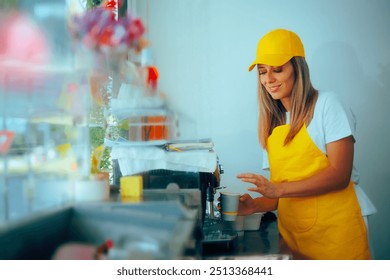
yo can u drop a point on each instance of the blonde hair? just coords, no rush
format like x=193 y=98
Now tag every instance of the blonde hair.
x=303 y=99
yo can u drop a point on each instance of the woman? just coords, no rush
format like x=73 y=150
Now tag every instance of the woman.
x=309 y=145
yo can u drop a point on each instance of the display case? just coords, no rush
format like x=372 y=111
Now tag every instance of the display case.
x=46 y=110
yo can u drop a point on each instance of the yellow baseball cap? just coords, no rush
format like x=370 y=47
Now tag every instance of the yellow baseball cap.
x=277 y=47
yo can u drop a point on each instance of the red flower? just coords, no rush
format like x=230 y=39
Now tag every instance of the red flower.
x=136 y=29
x=104 y=37
x=111 y=4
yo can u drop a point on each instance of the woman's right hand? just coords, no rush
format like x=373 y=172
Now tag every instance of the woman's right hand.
x=247 y=205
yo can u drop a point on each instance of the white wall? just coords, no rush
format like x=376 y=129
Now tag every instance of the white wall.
x=203 y=48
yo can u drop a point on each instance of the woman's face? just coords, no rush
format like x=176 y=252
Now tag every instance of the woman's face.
x=278 y=81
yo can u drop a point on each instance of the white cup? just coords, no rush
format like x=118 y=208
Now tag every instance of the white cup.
x=229 y=205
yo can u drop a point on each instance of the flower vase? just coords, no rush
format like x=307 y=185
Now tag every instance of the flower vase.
x=113 y=62
x=105 y=83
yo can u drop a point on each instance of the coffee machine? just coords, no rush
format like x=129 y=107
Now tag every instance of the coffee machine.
x=170 y=181
x=195 y=190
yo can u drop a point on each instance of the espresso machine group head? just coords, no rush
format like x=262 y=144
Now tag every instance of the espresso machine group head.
x=210 y=182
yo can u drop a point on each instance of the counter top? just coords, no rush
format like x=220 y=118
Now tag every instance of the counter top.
x=258 y=244
x=32 y=238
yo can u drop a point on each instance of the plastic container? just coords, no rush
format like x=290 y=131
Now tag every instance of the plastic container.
x=252 y=222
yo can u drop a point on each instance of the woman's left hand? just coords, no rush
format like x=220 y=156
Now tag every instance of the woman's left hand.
x=263 y=186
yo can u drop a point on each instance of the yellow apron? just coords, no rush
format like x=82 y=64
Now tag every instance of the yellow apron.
x=328 y=226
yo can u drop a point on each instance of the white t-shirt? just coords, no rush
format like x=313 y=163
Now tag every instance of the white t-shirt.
x=331 y=122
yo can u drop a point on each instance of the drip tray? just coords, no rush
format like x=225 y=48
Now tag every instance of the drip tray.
x=218 y=237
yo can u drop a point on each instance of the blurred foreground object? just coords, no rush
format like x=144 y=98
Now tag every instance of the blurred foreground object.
x=103 y=41
x=8 y=4
x=44 y=105
x=22 y=40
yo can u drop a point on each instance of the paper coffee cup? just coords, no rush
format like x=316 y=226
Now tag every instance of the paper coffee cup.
x=229 y=205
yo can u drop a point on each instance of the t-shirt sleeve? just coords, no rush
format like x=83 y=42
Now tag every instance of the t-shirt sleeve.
x=338 y=122
x=265 y=162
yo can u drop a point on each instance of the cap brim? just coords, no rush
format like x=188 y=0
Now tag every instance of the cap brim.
x=250 y=68
x=271 y=60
